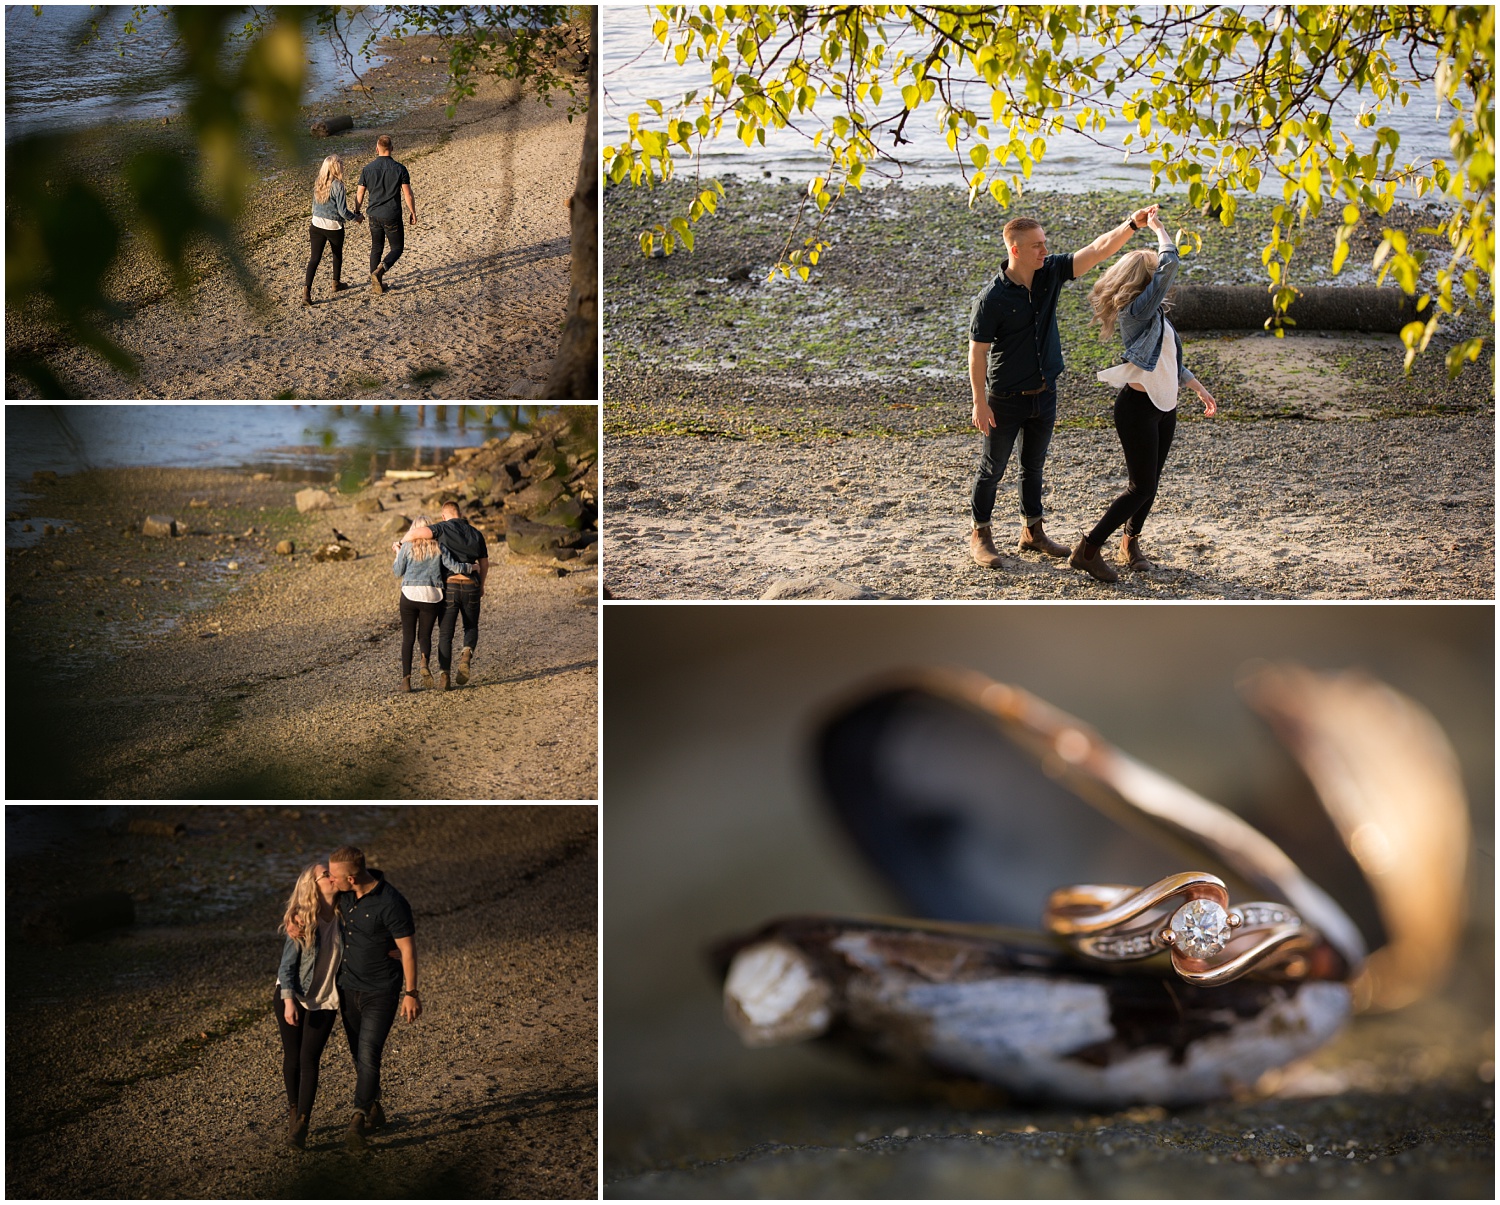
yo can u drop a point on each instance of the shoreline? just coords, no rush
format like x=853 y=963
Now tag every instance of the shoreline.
x=474 y=305
x=209 y=666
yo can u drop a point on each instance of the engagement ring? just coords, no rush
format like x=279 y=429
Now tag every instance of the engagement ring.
x=1211 y=941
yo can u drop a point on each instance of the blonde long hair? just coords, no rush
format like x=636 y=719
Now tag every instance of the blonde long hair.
x=421 y=550
x=332 y=169
x=302 y=907
x=1121 y=285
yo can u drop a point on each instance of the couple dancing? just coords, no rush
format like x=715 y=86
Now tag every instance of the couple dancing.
x=442 y=567
x=350 y=948
x=1015 y=357
x=386 y=183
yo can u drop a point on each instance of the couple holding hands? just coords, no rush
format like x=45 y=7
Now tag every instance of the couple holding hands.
x=1015 y=358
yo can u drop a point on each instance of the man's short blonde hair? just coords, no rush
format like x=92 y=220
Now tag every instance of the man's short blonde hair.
x=347 y=855
x=1016 y=227
x=383 y=143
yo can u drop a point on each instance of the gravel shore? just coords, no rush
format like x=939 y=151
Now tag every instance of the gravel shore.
x=179 y=676
x=147 y=1064
x=474 y=304
x=795 y=433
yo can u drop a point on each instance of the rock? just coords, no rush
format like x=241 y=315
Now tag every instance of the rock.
x=285 y=548
x=310 y=500
x=198 y=503
x=535 y=497
x=162 y=525
x=233 y=565
x=335 y=552
x=396 y=525
x=590 y=555
x=260 y=477
x=157 y=828
x=368 y=506
x=59 y=567
x=817 y=588
x=525 y=538
x=27 y=527
x=43 y=475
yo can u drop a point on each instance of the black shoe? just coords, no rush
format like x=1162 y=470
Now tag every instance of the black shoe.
x=354 y=1136
x=377 y=1117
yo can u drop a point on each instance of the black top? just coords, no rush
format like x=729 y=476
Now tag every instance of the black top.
x=462 y=539
x=1020 y=325
x=382 y=178
x=371 y=923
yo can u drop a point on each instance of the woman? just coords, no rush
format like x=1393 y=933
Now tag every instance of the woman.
x=423 y=566
x=1134 y=294
x=329 y=213
x=307 y=994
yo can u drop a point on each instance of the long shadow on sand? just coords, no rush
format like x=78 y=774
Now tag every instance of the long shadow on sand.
x=481 y=265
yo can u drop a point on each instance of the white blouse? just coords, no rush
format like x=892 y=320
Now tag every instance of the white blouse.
x=1161 y=382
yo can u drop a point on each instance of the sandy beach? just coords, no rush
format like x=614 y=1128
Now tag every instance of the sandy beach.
x=812 y=440
x=474 y=305
x=143 y=1062
x=209 y=666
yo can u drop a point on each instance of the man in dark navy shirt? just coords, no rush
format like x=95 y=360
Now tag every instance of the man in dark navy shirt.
x=375 y=921
x=1015 y=358
x=388 y=184
x=461 y=592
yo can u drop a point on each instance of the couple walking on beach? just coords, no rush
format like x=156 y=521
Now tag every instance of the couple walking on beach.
x=387 y=184
x=1015 y=357
x=442 y=567
x=350 y=948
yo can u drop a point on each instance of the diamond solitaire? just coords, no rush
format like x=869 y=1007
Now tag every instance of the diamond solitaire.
x=1200 y=928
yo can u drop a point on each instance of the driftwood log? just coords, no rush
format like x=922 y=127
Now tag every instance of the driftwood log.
x=325 y=126
x=1246 y=307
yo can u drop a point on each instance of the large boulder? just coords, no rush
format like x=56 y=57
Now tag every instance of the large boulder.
x=396 y=525
x=525 y=538
x=161 y=525
x=285 y=548
x=817 y=588
x=537 y=496
x=310 y=500
x=368 y=506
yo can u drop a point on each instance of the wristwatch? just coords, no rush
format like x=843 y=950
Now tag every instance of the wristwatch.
x=1131 y=221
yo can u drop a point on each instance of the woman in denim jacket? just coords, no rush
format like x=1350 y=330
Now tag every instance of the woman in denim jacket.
x=423 y=566
x=307 y=994
x=330 y=210
x=1134 y=294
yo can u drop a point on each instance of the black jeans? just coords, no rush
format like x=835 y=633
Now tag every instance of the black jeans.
x=382 y=231
x=1032 y=418
x=459 y=598
x=301 y=1051
x=417 y=619
x=335 y=241
x=1146 y=435
x=368 y=1017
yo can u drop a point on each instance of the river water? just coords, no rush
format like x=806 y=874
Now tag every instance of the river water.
x=635 y=69
x=343 y=444
x=48 y=84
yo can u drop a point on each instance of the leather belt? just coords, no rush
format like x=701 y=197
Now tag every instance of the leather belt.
x=1026 y=392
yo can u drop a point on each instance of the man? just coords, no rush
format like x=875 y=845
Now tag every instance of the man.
x=1015 y=358
x=376 y=922
x=462 y=593
x=387 y=184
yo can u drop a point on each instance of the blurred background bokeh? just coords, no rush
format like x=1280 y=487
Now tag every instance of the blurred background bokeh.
x=714 y=821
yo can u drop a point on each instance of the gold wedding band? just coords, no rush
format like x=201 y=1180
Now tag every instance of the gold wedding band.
x=1211 y=942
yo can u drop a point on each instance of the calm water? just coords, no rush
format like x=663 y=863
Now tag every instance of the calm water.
x=49 y=84
x=634 y=69
x=324 y=443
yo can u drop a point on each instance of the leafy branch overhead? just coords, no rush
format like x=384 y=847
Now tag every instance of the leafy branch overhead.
x=1216 y=100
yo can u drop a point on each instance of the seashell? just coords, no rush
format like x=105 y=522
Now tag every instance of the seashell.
x=975 y=799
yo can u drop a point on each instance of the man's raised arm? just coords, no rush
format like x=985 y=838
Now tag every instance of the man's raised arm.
x=1087 y=258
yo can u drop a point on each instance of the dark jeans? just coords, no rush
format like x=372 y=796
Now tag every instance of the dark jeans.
x=1032 y=418
x=1146 y=435
x=335 y=241
x=381 y=231
x=417 y=619
x=368 y=1017
x=301 y=1051
x=459 y=598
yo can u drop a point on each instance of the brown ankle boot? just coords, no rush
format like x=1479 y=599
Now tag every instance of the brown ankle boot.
x=1034 y=539
x=307 y=294
x=296 y=1134
x=377 y=281
x=443 y=680
x=1132 y=555
x=1087 y=558
x=406 y=685
x=426 y=675
x=982 y=548
x=461 y=671
x=339 y=286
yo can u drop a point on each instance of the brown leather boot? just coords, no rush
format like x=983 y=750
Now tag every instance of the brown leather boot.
x=426 y=675
x=406 y=685
x=377 y=281
x=461 y=671
x=442 y=679
x=339 y=286
x=1087 y=558
x=354 y=1136
x=297 y=1133
x=307 y=294
x=982 y=548
x=1131 y=554
x=1034 y=539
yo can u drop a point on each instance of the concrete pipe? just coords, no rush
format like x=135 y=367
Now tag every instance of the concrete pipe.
x=331 y=125
x=1246 y=307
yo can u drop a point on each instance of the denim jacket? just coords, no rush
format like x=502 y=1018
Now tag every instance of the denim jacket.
x=299 y=962
x=335 y=207
x=1141 y=321
x=429 y=572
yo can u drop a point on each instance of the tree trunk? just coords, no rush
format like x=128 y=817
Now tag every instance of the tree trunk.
x=575 y=372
